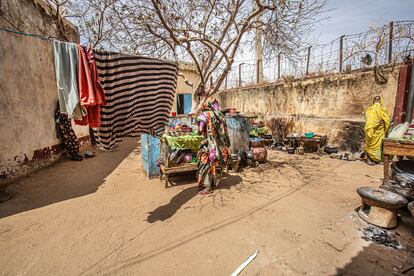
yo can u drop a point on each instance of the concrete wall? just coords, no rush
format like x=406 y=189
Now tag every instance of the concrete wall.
x=27 y=102
x=190 y=73
x=28 y=88
x=35 y=17
x=330 y=104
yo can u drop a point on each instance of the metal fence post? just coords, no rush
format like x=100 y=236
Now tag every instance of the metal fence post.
x=278 y=66
x=258 y=71
x=307 y=61
x=225 y=83
x=390 y=42
x=341 y=47
x=240 y=73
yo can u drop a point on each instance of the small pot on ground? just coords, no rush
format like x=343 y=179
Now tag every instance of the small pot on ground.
x=331 y=149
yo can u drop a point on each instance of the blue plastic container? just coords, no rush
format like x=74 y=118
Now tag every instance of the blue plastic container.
x=238 y=128
x=150 y=151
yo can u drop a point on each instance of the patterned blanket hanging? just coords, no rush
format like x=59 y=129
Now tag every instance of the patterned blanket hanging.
x=139 y=94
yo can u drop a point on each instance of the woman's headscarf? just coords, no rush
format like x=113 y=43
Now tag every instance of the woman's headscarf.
x=377 y=122
x=380 y=101
x=211 y=106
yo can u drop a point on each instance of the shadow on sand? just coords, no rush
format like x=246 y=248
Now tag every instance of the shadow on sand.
x=166 y=211
x=64 y=180
x=377 y=259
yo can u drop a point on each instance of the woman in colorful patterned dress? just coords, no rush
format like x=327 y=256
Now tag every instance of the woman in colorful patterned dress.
x=213 y=154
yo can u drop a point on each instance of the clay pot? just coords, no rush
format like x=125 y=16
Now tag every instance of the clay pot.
x=259 y=154
x=331 y=149
x=257 y=144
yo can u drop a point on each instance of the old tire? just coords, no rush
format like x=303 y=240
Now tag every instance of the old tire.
x=381 y=198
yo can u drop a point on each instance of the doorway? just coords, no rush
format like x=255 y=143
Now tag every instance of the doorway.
x=184 y=102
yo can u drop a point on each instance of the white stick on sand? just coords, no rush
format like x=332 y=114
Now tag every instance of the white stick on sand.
x=244 y=264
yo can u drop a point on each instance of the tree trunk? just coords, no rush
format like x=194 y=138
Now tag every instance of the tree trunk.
x=196 y=97
x=195 y=103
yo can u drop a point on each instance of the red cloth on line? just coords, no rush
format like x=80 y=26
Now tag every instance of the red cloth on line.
x=91 y=93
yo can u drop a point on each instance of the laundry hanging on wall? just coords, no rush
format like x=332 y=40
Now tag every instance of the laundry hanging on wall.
x=66 y=68
x=139 y=95
x=91 y=93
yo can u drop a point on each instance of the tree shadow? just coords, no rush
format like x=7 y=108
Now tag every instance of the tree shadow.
x=64 y=180
x=166 y=211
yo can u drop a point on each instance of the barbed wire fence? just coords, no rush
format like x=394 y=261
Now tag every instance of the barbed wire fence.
x=387 y=44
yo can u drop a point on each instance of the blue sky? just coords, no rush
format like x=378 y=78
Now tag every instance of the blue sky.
x=355 y=16
x=345 y=17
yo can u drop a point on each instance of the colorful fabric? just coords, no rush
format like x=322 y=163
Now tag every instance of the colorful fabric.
x=190 y=142
x=66 y=68
x=377 y=122
x=66 y=133
x=139 y=94
x=213 y=154
x=92 y=96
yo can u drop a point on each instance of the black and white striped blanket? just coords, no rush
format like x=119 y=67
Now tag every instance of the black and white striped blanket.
x=139 y=95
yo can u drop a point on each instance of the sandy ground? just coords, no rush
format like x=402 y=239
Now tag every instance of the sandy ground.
x=103 y=216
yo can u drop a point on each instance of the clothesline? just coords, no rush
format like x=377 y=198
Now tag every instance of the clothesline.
x=31 y=35
x=139 y=91
x=51 y=38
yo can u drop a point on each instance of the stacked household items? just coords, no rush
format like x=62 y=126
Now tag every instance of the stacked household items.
x=400 y=143
x=183 y=140
x=404 y=131
x=259 y=138
x=381 y=205
x=176 y=147
x=402 y=179
x=301 y=143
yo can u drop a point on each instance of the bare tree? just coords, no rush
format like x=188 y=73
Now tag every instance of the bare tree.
x=208 y=33
x=46 y=18
x=97 y=22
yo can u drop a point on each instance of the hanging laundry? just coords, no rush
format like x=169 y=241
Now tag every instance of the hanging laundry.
x=139 y=94
x=66 y=68
x=91 y=93
x=66 y=134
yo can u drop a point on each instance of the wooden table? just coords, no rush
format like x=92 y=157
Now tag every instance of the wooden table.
x=166 y=168
x=319 y=140
x=398 y=148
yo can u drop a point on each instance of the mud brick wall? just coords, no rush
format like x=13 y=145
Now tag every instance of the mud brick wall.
x=28 y=98
x=332 y=104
